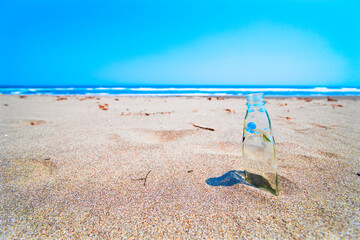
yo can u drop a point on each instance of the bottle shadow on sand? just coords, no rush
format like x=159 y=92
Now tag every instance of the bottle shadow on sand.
x=228 y=179
x=237 y=177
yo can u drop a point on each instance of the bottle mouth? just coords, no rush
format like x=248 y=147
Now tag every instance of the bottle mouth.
x=254 y=97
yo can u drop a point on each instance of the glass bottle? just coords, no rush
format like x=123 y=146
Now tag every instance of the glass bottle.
x=259 y=146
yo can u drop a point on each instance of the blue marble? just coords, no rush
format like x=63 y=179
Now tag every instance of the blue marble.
x=251 y=125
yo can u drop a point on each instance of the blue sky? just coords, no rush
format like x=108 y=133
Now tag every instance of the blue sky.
x=278 y=42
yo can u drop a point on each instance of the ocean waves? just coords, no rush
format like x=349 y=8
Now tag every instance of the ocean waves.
x=183 y=91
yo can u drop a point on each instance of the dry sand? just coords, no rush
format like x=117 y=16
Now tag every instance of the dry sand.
x=70 y=168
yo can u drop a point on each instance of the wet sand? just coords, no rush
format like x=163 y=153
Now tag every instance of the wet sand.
x=137 y=167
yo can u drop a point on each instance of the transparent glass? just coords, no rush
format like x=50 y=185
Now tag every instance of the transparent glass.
x=260 y=167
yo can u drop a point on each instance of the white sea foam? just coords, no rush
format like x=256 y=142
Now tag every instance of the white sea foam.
x=59 y=89
x=151 y=89
x=14 y=89
x=350 y=89
x=186 y=91
x=179 y=89
x=118 y=88
x=316 y=89
x=167 y=94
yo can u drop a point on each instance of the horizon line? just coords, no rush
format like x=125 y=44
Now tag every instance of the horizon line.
x=178 y=86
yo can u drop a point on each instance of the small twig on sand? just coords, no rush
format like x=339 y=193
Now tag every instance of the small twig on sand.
x=143 y=179
x=206 y=128
x=146 y=177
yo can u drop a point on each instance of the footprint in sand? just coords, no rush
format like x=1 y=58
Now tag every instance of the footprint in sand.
x=152 y=137
x=314 y=127
x=171 y=135
x=26 y=172
x=221 y=148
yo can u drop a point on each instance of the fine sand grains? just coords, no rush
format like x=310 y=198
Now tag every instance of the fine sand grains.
x=141 y=167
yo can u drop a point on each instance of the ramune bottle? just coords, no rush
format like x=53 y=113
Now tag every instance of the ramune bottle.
x=259 y=146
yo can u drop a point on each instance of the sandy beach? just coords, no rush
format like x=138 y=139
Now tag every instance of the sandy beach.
x=137 y=167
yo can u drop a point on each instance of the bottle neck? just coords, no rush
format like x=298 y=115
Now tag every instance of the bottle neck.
x=255 y=100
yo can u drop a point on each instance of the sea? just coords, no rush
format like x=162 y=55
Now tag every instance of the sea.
x=159 y=91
